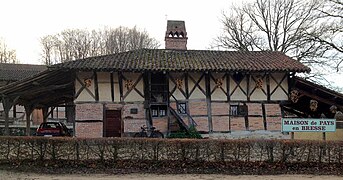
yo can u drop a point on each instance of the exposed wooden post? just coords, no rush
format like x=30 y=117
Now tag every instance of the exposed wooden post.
x=186 y=86
x=96 y=86
x=168 y=104
x=45 y=113
x=227 y=87
x=208 y=101
x=28 y=111
x=264 y=114
x=187 y=98
x=7 y=130
x=268 y=86
x=14 y=111
x=248 y=86
x=120 y=81
x=149 y=101
x=112 y=86
x=7 y=105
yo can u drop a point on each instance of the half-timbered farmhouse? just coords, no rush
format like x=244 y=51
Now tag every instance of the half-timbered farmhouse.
x=225 y=92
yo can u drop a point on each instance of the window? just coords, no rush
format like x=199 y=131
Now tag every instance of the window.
x=181 y=108
x=133 y=111
x=234 y=110
x=154 y=112
x=238 y=110
x=158 y=110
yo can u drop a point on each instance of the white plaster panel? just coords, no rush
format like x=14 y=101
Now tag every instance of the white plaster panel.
x=133 y=95
x=218 y=94
x=197 y=93
x=279 y=94
x=238 y=94
x=177 y=93
x=104 y=91
x=84 y=95
x=258 y=94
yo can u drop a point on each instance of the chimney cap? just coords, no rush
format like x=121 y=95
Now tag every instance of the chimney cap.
x=173 y=25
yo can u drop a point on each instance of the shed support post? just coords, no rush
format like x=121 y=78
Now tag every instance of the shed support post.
x=7 y=105
x=45 y=113
x=28 y=111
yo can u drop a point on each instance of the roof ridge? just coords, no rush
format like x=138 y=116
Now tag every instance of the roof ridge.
x=188 y=60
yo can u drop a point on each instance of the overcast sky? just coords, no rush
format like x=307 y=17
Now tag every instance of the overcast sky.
x=24 y=22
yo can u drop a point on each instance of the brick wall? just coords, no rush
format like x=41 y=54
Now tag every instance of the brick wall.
x=273 y=117
x=237 y=123
x=174 y=126
x=89 y=111
x=254 y=109
x=273 y=123
x=220 y=123
x=89 y=129
x=89 y=117
x=198 y=108
x=133 y=125
x=178 y=43
x=173 y=105
x=140 y=111
x=272 y=109
x=220 y=108
x=256 y=123
x=161 y=124
x=202 y=123
x=133 y=122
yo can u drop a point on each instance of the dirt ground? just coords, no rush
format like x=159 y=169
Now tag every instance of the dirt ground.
x=11 y=175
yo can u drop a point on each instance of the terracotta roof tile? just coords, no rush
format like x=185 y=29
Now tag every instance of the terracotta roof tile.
x=187 y=60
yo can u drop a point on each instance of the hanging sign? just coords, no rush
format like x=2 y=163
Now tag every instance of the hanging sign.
x=308 y=125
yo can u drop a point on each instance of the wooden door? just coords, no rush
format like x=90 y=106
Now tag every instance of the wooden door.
x=112 y=124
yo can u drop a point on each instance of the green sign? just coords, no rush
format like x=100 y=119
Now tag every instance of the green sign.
x=308 y=125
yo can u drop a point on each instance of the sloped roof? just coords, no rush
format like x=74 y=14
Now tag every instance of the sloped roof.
x=15 y=72
x=311 y=91
x=301 y=82
x=187 y=60
x=47 y=88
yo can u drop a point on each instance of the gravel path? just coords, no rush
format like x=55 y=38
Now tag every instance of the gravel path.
x=10 y=175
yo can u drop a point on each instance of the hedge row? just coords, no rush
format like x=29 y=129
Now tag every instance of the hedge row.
x=210 y=150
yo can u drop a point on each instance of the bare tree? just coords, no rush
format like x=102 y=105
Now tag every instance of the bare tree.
x=275 y=25
x=48 y=45
x=309 y=31
x=78 y=44
x=329 y=32
x=7 y=55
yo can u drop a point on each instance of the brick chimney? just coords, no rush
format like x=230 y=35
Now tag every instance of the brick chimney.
x=176 y=35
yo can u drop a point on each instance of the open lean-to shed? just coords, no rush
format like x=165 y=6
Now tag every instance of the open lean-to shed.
x=173 y=88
